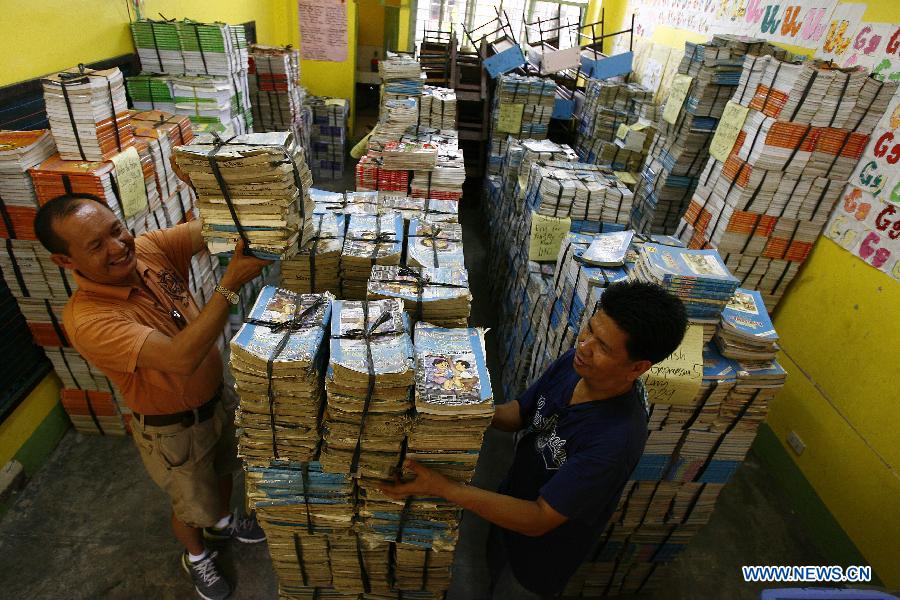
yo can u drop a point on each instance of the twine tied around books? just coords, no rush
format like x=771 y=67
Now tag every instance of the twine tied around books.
x=420 y=281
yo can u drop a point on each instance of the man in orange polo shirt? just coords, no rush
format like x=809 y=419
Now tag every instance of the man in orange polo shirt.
x=133 y=317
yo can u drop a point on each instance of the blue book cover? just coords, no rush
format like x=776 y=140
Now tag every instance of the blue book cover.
x=746 y=314
x=451 y=371
x=679 y=264
x=716 y=366
x=374 y=236
x=391 y=347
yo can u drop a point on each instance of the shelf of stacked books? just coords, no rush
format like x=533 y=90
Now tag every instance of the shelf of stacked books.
x=707 y=76
x=795 y=133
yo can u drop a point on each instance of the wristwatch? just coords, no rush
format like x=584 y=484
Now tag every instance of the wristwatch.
x=232 y=297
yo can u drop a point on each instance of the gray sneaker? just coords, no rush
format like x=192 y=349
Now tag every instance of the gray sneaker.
x=243 y=529
x=208 y=582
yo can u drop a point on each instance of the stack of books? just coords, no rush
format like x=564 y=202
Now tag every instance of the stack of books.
x=578 y=193
x=680 y=149
x=444 y=182
x=24 y=362
x=454 y=400
x=94 y=412
x=158 y=46
x=765 y=204
x=438 y=295
x=395 y=118
x=316 y=267
x=151 y=92
x=77 y=373
x=409 y=156
x=401 y=77
x=213 y=48
x=370 y=240
x=213 y=103
x=434 y=244
x=274 y=85
x=369 y=386
x=255 y=187
x=698 y=277
x=437 y=108
x=522 y=108
x=19 y=152
x=88 y=113
x=372 y=176
x=746 y=333
x=328 y=136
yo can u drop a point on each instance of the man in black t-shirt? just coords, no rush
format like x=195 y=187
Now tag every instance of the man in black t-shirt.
x=584 y=425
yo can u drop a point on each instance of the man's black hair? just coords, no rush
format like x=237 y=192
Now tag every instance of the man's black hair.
x=653 y=319
x=54 y=210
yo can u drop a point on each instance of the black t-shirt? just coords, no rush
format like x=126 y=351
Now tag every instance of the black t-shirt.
x=578 y=459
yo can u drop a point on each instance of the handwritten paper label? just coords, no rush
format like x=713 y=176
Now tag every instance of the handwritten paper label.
x=681 y=84
x=677 y=379
x=323 y=30
x=622 y=131
x=625 y=177
x=729 y=127
x=130 y=180
x=547 y=235
x=510 y=120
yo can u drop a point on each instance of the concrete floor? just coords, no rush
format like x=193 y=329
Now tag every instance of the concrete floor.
x=91 y=524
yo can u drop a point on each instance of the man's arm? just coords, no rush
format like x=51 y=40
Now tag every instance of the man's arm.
x=532 y=518
x=507 y=417
x=183 y=353
x=197 y=241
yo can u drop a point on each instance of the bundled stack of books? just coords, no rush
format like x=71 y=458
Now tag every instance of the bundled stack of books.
x=151 y=92
x=254 y=188
x=372 y=176
x=369 y=387
x=369 y=240
x=19 y=152
x=401 y=77
x=765 y=197
x=94 y=412
x=522 y=108
x=409 y=156
x=274 y=86
x=316 y=267
x=88 y=113
x=277 y=360
x=437 y=108
x=328 y=136
x=25 y=363
x=158 y=46
x=577 y=193
x=434 y=244
x=708 y=74
x=438 y=295
x=395 y=118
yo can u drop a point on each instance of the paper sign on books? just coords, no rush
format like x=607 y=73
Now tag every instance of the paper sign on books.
x=510 y=120
x=625 y=177
x=622 y=131
x=727 y=132
x=681 y=85
x=677 y=379
x=547 y=235
x=130 y=180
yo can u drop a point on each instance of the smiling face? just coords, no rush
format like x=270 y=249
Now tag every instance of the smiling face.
x=601 y=357
x=99 y=246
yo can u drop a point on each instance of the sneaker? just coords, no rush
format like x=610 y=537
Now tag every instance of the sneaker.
x=208 y=582
x=243 y=529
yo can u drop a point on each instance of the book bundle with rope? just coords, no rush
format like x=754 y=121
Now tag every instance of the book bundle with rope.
x=275 y=91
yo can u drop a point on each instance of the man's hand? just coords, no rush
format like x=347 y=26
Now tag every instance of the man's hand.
x=426 y=483
x=242 y=268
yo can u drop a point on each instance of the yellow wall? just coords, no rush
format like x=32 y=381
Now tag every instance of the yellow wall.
x=371 y=23
x=839 y=330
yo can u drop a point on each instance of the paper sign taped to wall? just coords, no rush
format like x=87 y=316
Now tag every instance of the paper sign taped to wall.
x=681 y=85
x=323 y=30
x=130 y=181
x=510 y=120
x=677 y=379
x=729 y=127
x=547 y=235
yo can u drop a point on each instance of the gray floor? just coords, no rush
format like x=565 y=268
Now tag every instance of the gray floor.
x=91 y=524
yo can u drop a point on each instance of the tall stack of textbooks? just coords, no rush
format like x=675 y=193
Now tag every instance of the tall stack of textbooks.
x=328 y=136
x=369 y=240
x=677 y=155
x=158 y=46
x=608 y=108
x=401 y=77
x=693 y=449
x=316 y=267
x=253 y=188
x=437 y=108
x=438 y=295
x=522 y=108
x=151 y=92
x=274 y=85
x=395 y=118
x=23 y=360
x=763 y=206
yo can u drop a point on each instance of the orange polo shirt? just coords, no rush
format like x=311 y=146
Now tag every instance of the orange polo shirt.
x=108 y=325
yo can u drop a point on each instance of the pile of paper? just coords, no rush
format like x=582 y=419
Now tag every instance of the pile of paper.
x=274 y=80
x=437 y=108
x=254 y=187
x=698 y=277
x=329 y=136
x=158 y=46
x=277 y=358
x=20 y=151
x=437 y=295
x=433 y=244
x=454 y=399
x=409 y=156
x=371 y=175
x=88 y=113
x=370 y=240
x=369 y=386
x=316 y=267
x=766 y=195
x=707 y=76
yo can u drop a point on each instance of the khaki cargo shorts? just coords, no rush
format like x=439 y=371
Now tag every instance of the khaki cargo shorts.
x=187 y=462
